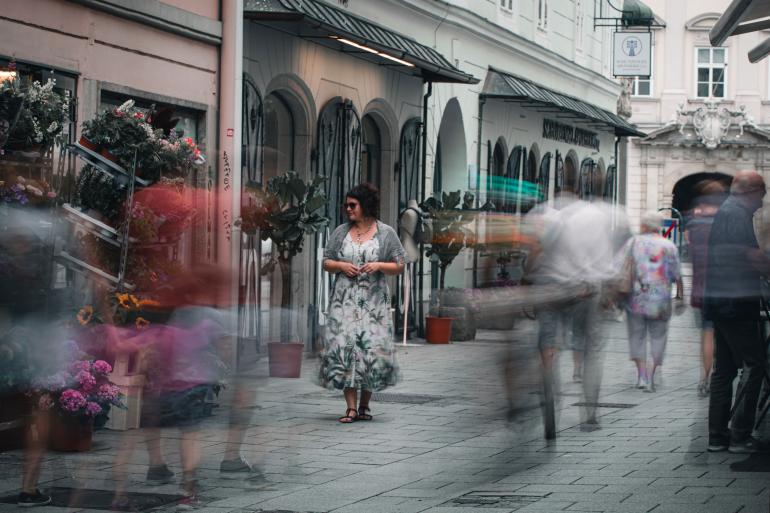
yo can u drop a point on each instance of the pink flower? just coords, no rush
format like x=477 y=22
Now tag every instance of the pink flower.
x=80 y=365
x=72 y=400
x=93 y=409
x=51 y=194
x=86 y=380
x=108 y=392
x=45 y=402
x=102 y=367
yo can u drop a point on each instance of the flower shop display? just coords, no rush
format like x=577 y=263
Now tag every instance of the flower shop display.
x=17 y=190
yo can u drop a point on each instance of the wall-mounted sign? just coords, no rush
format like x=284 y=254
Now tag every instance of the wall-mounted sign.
x=556 y=131
x=632 y=54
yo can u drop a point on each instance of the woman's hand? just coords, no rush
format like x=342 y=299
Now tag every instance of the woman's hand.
x=351 y=270
x=371 y=267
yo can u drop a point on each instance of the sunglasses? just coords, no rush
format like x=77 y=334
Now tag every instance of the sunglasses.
x=351 y=206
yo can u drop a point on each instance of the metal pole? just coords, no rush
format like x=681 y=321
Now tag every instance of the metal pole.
x=421 y=271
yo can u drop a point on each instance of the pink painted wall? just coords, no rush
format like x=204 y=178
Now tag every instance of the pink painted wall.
x=103 y=47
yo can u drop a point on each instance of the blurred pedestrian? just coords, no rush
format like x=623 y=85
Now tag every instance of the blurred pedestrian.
x=358 y=352
x=701 y=217
x=654 y=266
x=734 y=269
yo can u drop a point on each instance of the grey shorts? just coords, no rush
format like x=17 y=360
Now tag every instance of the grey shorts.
x=569 y=327
x=638 y=329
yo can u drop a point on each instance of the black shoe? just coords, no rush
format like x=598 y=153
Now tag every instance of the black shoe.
x=717 y=445
x=235 y=466
x=749 y=445
x=159 y=475
x=27 y=500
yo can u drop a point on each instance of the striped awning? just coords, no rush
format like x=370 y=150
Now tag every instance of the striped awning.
x=507 y=86
x=336 y=28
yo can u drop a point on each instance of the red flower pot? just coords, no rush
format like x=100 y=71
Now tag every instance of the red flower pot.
x=285 y=360
x=109 y=156
x=438 y=329
x=86 y=143
x=70 y=434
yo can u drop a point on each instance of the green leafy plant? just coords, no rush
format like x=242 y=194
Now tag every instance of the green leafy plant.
x=451 y=217
x=43 y=114
x=291 y=209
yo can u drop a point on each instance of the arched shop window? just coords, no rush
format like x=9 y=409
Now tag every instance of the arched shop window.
x=409 y=179
x=544 y=176
x=371 y=151
x=558 y=185
x=253 y=132
x=496 y=174
x=609 y=184
x=338 y=153
x=570 y=173
x=586 y=178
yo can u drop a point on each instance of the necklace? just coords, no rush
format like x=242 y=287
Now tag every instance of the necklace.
x=360 y=235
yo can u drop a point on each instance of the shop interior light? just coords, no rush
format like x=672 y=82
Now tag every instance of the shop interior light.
x=7 y=76
x=372 y=51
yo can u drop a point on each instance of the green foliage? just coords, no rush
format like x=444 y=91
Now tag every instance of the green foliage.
x=43 y=114
x=294 y=212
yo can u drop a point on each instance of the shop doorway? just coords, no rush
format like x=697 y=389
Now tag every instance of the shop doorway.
x=371 y=152
x=570 y=173
x=700 y=187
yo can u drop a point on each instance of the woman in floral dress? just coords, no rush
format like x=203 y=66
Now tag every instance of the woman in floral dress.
x=358 y=351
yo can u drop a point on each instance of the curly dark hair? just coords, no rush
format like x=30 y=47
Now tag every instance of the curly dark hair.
x=368 y=196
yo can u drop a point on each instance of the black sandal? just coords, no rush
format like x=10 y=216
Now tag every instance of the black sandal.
x=362 y=415
x=349 y=419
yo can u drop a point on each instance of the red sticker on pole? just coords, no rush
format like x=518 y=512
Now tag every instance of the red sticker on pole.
x=230 y=132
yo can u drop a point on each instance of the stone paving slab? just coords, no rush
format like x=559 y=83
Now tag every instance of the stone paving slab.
x=421 y=457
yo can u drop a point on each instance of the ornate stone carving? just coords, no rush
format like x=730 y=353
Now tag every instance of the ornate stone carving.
x=711 y=123
x=624 y=100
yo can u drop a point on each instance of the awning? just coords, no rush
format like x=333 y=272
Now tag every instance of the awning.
x=636 y=14
x=337 y=28
x=506 y=86
x=760 y=51
x=741 y=16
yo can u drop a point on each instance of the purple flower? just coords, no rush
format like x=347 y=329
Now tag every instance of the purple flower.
x=93 y=409
x=102 y=367
x=86 y=380
x=72 y=400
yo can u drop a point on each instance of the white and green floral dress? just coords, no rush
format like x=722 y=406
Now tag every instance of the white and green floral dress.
x=358 y=344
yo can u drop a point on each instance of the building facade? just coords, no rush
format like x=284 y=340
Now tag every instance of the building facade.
x=706 y=110
x=421 y=97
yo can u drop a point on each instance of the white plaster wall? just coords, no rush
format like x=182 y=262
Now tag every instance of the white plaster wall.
x=652 y=174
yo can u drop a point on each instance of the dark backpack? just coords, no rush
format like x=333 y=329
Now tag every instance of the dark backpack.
x=422 y=232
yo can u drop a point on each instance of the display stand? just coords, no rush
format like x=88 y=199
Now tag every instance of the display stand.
x=130 y=383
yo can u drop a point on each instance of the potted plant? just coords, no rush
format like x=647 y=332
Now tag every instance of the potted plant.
x=450 y=219
x=40 y=120
x=78 y=394
x=287 y=212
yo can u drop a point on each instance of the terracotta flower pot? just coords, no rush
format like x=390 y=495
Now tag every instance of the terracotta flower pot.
x=285 y=360
x=70 y=434
x=109 y=156
x=438 y=329
x=86 y=143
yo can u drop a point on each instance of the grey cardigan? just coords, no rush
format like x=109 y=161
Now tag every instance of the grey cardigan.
x=391 y=249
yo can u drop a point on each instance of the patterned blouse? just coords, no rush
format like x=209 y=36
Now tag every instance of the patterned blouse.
x=656 y=267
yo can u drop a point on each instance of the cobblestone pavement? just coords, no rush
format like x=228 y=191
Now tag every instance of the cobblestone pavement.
x=441 y=443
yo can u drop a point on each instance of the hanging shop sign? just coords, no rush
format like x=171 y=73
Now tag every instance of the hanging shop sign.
x=556 y=131
x=632 y=54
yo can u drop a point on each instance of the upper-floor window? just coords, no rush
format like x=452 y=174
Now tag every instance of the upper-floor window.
x=643 y=85
x=506 y=4
x=711 y=72
x=542 y=14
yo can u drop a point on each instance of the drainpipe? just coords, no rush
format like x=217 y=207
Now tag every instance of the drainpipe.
x=421 y=267
x=616 y=185
x=228 y=184
x=482 y=101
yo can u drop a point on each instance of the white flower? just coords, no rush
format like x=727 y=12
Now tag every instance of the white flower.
x=127 y=105
x=53 y=127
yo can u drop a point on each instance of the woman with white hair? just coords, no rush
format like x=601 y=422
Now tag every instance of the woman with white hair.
x=654 y=267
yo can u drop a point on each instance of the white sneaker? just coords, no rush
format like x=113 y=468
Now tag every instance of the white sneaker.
x=641 y=382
